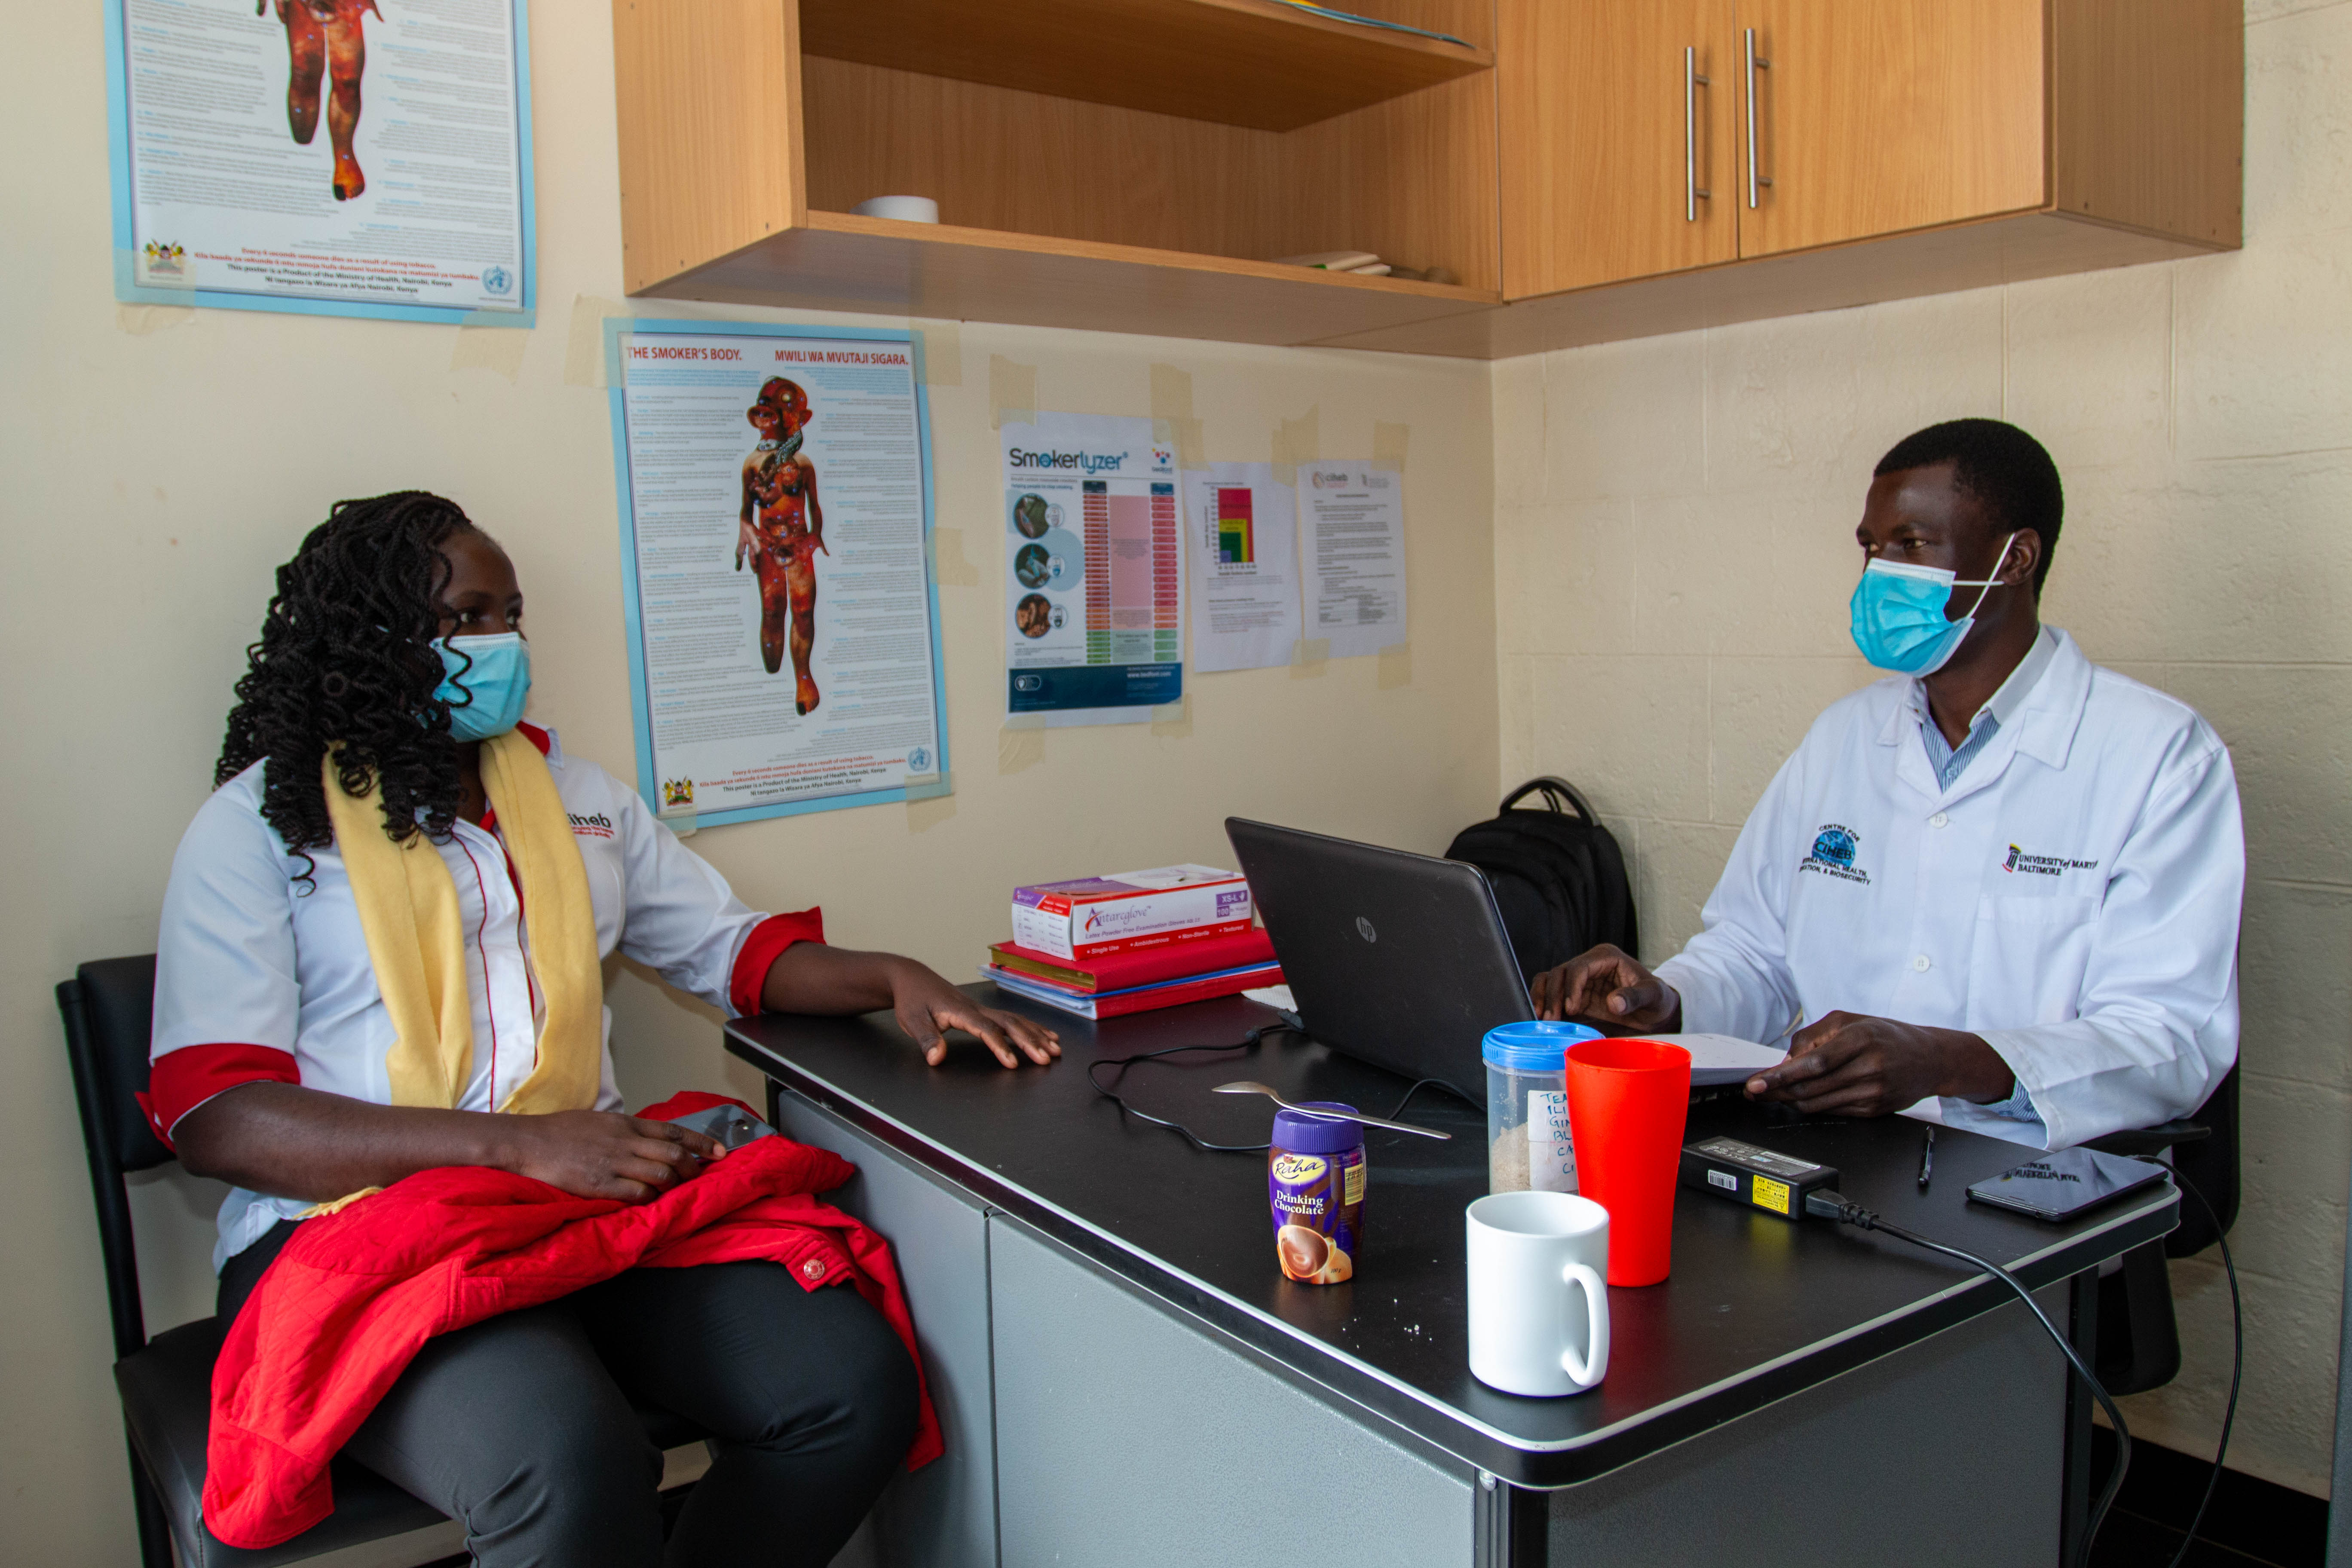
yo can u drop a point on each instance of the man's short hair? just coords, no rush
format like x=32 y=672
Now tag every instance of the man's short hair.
x=2005 y=469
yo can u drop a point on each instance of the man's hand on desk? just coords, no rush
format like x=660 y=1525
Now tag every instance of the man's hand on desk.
x=1606 y=985
x=1849 y=1065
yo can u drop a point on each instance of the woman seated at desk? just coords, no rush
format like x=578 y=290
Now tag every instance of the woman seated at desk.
x=378 y=718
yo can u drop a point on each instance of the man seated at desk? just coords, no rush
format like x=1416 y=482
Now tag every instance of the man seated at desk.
x=1999 y=889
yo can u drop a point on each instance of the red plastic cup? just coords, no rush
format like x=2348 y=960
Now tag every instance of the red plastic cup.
x=1626 y=1104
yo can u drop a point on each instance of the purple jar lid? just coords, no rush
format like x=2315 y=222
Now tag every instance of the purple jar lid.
x=1314 y=1134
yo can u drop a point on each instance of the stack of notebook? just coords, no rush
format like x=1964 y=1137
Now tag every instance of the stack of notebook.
x=1136 y=981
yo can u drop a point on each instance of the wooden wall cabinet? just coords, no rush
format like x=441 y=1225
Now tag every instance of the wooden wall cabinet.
x=1586 y=169
x=1873 y=150
x=1125 y=166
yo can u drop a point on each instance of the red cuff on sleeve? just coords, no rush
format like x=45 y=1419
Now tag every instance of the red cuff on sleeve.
x=182 y=1079
x=766 y=944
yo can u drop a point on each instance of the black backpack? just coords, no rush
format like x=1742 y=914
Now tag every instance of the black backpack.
x=1558 y=878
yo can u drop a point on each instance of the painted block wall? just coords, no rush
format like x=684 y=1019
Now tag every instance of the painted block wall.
x=1673 y=553
x=159 y=464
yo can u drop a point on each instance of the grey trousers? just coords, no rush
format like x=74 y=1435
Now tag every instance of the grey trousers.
x=521 y=1426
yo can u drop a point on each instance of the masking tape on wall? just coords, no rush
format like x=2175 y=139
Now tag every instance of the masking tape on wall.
x=142 y=320
x=1309 y=656
x=1296 y=441
x=489 y=348
x=930 y=800
x=1174 y=720
x=1396 y=666
x=938 y=353
x=1389 y=442
x=1012 y=392
x=680 y=821
x=1172 y=393
x=1020 y=744
x=583 y=345
x=950 y=568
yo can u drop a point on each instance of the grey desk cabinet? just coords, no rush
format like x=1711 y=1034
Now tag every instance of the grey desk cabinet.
x=1129 y=1439
x=943 y=1515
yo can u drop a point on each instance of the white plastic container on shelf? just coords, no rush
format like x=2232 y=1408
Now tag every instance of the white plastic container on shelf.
x=1529 y=1146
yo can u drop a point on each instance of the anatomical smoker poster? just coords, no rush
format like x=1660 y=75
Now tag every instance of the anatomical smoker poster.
x=1093 y=570
x=342 y=157
x=775 y=506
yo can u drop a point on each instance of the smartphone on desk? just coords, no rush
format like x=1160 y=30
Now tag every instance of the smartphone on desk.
x=2057 y=1187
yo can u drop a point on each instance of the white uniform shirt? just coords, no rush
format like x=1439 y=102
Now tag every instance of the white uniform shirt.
x=260 y=976
x=2073 y=898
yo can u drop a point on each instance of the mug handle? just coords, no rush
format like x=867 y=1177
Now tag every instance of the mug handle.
x=1587 y=1369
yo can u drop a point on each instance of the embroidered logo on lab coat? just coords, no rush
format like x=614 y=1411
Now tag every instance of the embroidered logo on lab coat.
x=1834 y=848
x=2044 y=865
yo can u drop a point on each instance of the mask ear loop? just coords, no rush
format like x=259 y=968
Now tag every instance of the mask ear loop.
x=1989 y=584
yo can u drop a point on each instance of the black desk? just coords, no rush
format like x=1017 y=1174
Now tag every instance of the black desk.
x=1757 y=1310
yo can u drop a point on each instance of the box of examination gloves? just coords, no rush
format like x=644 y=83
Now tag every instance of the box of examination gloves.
x=1130 y=910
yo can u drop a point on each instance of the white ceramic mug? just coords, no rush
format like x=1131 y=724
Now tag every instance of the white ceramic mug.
x=1538 y=1301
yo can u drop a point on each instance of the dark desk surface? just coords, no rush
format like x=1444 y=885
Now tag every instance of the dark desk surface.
x=1756 y=1307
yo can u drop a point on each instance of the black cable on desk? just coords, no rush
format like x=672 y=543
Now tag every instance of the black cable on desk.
x=1833 y=1205
x=1247 y=1042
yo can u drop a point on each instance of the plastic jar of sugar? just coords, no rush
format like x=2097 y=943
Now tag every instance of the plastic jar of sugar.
x=1527 y=1140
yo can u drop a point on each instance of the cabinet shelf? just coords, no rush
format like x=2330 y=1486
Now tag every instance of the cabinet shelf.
x=839 y=261
x=1236 y=62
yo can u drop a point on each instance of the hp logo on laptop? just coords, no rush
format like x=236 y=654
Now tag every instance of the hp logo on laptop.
x=1364 y=928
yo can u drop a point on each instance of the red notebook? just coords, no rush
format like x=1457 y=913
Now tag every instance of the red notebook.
x=1121 y=971
x=1117 y=1004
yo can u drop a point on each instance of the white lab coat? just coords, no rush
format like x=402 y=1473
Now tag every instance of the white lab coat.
x=2073 y=898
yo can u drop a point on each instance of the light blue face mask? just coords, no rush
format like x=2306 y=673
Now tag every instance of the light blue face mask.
x=1898 y=614
x=499 y=680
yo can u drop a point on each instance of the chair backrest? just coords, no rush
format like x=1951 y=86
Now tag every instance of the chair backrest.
x=2210 y=1164
x=110 y=1013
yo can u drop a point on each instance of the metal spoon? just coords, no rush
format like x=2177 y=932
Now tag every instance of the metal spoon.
x=1246 y=1086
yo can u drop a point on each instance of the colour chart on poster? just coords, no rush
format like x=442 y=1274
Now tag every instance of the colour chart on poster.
x=337 y=157
x=1094 y=571
x=775 y=508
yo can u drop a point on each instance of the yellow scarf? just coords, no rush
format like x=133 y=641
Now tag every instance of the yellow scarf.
x=408 y=909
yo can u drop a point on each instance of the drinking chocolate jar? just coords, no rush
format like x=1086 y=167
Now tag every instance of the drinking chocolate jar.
x=1315 y=1180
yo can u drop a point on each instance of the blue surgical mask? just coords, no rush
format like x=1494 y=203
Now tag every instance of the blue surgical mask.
x=1898 y=614
x=499 y=680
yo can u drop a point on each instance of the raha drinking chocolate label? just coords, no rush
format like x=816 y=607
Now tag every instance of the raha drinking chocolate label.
x=1318 y=1212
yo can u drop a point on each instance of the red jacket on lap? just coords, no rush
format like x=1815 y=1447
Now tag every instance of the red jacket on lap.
x=346 y=1305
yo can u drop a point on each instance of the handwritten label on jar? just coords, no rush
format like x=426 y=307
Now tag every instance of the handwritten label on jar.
x=1551 y=1155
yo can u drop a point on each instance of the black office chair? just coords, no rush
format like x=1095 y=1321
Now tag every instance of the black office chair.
x=2139 y=1336
x=166 y=1382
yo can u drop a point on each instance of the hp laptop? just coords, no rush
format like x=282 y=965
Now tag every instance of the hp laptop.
x=1398 y=960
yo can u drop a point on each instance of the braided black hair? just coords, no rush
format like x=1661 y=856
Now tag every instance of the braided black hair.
x=346 y=656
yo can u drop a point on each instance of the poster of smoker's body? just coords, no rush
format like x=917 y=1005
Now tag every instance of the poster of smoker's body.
x=337 y=157
x=783 y=629
x=1093 y=570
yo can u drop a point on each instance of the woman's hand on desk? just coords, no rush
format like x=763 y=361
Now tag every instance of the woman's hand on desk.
x=1608 y=986
x=927 y=1006
x=812 y=977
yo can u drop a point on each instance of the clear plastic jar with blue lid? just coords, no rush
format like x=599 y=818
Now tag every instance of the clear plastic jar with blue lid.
x=1528 y=1143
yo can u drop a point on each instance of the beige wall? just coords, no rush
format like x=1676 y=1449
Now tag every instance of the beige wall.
x=1674 y=552
x=159 y=468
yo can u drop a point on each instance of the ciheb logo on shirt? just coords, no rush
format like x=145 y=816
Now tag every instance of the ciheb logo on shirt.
x=1835 y=849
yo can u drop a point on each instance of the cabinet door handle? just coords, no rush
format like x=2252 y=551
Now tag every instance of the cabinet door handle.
x=1755 y=64
x=1692 y=82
